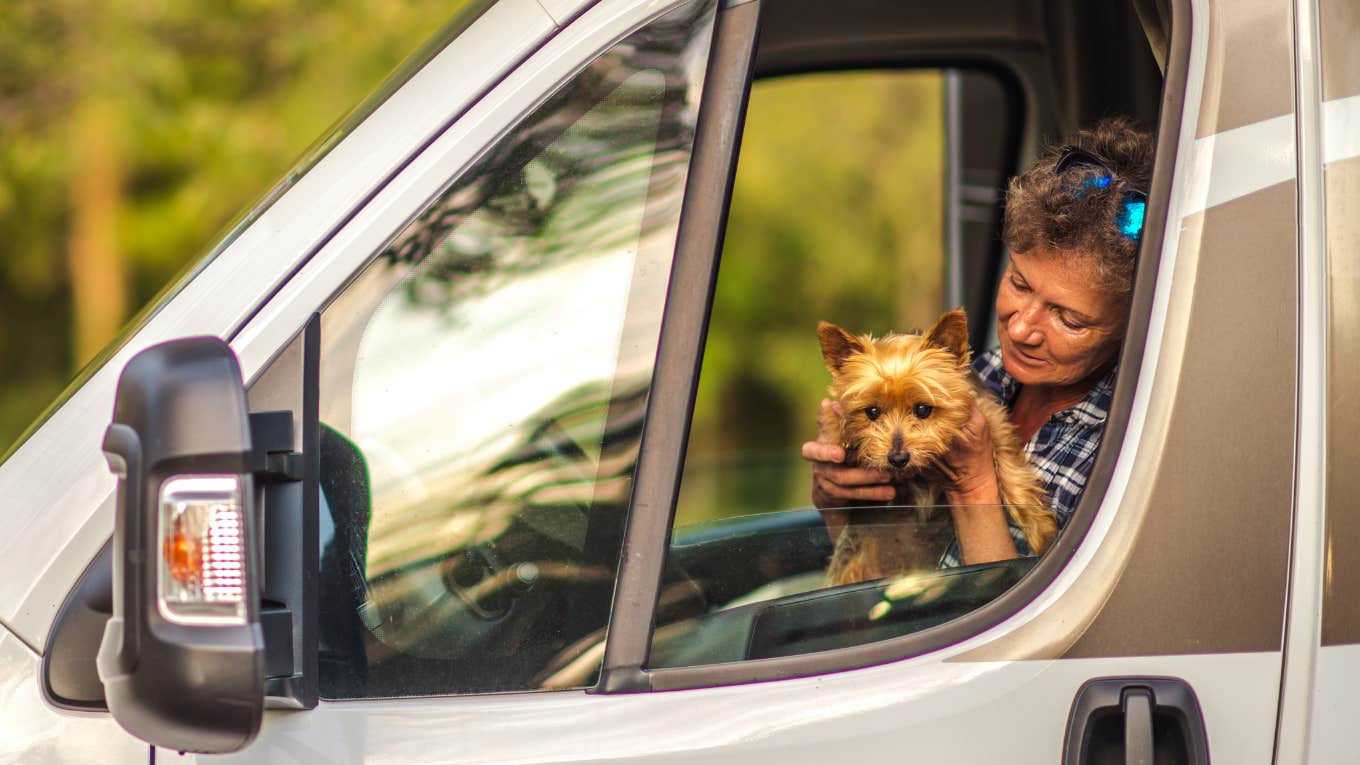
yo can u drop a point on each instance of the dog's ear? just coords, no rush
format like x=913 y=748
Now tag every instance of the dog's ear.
x=951 y=334
x=837 y=345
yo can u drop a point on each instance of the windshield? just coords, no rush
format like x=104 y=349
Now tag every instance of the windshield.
x=465 y=15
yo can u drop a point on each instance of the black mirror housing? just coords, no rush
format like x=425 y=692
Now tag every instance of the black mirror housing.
x=174 y=678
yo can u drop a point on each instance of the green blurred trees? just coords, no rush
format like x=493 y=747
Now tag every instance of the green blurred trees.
x=132 y=131
x=837 y=215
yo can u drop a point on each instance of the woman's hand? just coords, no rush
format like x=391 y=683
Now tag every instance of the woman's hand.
x=969 y=466
x=835 y=484
x=979 y=522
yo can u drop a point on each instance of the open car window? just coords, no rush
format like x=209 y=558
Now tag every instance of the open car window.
x=753 y=571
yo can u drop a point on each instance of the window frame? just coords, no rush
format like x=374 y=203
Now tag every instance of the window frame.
x=684 y=326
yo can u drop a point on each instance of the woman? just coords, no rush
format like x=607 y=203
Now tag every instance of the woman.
x=1072 y=225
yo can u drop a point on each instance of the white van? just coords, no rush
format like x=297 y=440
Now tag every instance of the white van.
x=421 y=424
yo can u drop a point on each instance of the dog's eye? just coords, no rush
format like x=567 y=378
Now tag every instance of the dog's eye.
x=923 y=410
x=873 y=412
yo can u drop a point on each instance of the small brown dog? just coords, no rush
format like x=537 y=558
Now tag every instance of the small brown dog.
x=904 y=399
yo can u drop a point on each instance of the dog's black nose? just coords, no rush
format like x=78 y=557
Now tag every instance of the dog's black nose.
x=899 y=459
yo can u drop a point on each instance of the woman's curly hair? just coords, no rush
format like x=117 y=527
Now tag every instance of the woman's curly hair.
x=1073 y=215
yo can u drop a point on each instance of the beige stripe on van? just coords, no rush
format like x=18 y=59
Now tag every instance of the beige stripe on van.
x=1247 y=77
x=1339 y=27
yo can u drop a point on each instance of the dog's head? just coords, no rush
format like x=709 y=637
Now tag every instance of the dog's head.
x=905 y=398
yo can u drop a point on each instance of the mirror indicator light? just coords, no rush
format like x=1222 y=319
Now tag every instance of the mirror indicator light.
x=202 y=550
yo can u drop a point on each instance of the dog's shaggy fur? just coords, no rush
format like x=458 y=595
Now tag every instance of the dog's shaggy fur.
x=904 y=400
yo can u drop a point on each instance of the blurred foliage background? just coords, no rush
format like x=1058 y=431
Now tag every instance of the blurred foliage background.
x=132 y=132
x=837 y=215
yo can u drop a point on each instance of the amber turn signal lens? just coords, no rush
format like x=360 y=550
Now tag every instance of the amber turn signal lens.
x=183 y=555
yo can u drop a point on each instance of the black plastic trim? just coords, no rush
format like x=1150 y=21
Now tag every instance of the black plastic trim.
x=680 y=349
x=1173 y=704
x=1004 y=606
x=180 y=409
x=311 y=508
x=68 y=657
x=291 y=525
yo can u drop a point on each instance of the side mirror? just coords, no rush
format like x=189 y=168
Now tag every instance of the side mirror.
x=183 y=657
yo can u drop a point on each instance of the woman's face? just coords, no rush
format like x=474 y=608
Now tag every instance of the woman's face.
x=1056 y=325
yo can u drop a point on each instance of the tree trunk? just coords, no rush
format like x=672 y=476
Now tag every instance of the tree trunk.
x=98 y=273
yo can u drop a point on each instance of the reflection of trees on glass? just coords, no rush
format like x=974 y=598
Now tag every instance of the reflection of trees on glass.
x=570 y=182
x=576 y=454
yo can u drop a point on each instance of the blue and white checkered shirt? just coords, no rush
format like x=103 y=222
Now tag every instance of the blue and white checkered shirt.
x=1062 y=452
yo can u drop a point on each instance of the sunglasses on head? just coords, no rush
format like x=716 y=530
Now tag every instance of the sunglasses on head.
x=1130 y=220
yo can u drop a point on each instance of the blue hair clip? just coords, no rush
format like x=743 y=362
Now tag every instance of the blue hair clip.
x=1130 y=220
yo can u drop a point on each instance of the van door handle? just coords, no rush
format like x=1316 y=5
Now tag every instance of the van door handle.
x=1138 y=733
x=1137 y=721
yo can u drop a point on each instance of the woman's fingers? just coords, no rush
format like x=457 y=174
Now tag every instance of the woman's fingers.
x=975 y=431
x=832 y=492
x=978 y=423
x=831 y=455
x=820 y=451
x=968 y=466
x=836 y=484
x=852 y=476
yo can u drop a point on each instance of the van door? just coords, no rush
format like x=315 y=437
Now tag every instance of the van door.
x=515 y=331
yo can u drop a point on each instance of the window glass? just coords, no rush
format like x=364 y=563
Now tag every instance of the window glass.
x=483 y=386
x=832 y=220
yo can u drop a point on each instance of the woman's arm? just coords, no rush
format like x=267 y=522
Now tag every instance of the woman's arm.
x=979 y=520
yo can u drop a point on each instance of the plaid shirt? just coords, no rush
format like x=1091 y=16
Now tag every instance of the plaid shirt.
x=1062 y=452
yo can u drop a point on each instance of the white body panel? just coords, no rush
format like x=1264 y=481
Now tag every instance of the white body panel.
x=919 y=711
x=32 y=732
x=562 y=11
x=1332 y=737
